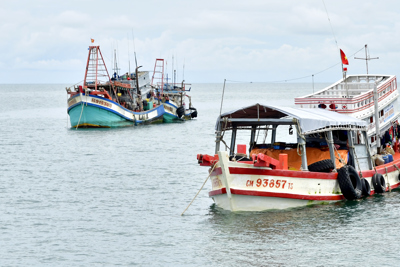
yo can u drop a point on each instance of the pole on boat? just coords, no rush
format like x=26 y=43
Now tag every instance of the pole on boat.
x=376 y=111
x=222 y=99
x=331 y=145
x=219 y=127
x=367 y=57
x=138 y=90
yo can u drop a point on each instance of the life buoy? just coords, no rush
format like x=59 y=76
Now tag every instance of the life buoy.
x=379 y=183
x=366 y=188
x=325 y=165
x=349 y=182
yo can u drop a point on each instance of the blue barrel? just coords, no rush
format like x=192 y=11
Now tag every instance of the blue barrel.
x=390 y=157
x=386 y=158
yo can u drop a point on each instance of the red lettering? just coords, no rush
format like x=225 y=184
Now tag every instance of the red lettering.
x=259 y=182
x=265 y=183
x=272 y=183
x=284 y=182
x=278 y=183
x=249 y=183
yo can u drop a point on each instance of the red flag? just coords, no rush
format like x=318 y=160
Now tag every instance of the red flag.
x=93 y=42
x=344 y=58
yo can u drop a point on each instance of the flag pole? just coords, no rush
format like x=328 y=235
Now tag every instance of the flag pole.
x=342 y=58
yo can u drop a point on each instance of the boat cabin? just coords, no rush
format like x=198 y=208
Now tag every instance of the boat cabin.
x=305 y=135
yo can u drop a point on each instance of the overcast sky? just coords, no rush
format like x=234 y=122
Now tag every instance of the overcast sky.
x=254 y=40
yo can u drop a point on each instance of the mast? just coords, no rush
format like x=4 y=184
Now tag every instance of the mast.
x=129 y=58
x=367 y=57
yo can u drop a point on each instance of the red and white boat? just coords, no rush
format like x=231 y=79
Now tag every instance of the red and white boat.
x=325 y=158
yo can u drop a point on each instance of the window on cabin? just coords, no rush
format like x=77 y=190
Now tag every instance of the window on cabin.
x=371 y=119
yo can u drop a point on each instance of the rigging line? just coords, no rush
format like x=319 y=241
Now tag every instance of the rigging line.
x=299 y=78
x=330 y=24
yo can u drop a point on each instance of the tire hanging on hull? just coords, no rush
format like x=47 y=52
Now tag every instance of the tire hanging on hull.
x=349 y=182
x=180 y=111
x=379 y=183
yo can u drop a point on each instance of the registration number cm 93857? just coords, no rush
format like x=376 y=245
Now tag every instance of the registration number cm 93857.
x=271 y=183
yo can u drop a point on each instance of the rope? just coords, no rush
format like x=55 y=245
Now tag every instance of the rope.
x=200 y=188
x=390 y=189
x=298 y=128
x=330 y=24
x=398 y=170
x=81 y=113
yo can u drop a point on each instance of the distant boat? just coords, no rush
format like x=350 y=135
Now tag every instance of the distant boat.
x=172 y=95
x=123 y=100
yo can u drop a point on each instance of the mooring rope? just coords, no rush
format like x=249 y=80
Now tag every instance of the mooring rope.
x=387 y=176
x=200 y=188
x=81 y=112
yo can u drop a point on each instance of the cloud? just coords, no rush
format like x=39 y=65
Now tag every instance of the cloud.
x=255 y=40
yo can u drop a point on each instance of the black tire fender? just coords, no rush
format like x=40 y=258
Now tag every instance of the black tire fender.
x=349 y=182
x=194 y=113
x=180 y=111
x=366 y=188
x=325 y=165
x=378 y=181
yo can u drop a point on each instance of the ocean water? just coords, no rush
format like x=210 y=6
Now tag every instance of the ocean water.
x=114 y=197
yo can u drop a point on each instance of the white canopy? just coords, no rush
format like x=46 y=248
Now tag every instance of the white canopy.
x=310 y=120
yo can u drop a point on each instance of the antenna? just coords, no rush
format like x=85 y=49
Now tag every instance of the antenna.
x=134 y=50
x=129 y=57
x=183 y=71
x=367 y=57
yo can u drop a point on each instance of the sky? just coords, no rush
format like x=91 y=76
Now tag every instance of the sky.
x=204 y=41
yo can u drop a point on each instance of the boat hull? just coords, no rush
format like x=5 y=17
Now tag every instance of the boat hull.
x=170 y=114
x=240 y=186
x=94 y=111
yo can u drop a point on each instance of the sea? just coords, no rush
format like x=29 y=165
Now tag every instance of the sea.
x=114 y=197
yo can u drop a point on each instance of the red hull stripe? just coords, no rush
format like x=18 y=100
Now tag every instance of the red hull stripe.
x=217 y=192
x=295 y=174
x=274 y=194
x=216 y=171
x=284 y=195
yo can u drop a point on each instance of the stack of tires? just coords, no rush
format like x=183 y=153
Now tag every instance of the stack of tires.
x=350 y=184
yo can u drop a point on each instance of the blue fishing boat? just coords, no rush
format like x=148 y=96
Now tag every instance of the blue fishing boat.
x=123 y=100
x=173 y=96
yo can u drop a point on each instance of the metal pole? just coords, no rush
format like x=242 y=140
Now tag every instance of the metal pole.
x=222 y=99
x=233 y=141
x=331 y=148
x=376 y=111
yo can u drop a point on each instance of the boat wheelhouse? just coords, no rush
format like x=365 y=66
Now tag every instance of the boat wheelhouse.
x=354 y=96
x=296 y=157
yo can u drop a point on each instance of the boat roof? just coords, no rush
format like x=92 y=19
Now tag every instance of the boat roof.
x=353 y=85
x=310 y=120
